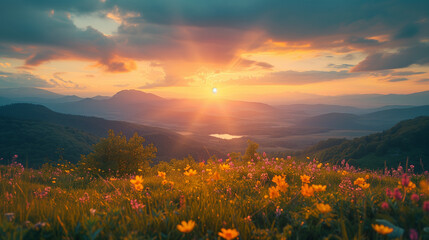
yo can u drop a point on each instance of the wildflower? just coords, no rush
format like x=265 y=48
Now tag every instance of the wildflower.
x=186 y=227
x=190 y=172
x=201 y=164
x=323 y=208
x=389 y=193
x=405 y=180
x=136 y=205
x=366 y=177
x=228 y=234
x=215 y=176
x=381 y=229
x=279 y=211
x=307 y=191
x=319 y=188
x=137 y=180
x=274 y=192
x=224 y=166
x=397 y=194
x=282 y=186
x=319 y=165
x=426 y=206
x=161 y=174
x=385 y=206
x=413 y=234
x=278 y=179
x=164 y=182
x=187 y=167
x=424 y=185
x=305 y=179
x=92 y=211
x=415 y=198
x=359 y=181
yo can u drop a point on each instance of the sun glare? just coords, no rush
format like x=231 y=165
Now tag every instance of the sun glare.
x=214 y=90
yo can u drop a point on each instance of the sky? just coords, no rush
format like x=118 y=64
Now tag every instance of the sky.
x=247 y=49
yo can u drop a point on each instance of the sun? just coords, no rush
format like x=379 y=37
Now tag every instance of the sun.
x=214 y=90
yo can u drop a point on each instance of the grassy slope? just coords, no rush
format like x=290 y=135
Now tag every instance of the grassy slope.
x=239 y=199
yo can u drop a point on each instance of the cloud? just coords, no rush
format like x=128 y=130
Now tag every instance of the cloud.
x=24 y=79
x=398 y=79
x=340 y=66
x=406 y=73
x=59 y=81
x=418 y=54
x=295 y=78
x=423 y=80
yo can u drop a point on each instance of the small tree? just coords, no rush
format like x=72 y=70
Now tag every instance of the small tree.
x=251 y=150
x=115 y=154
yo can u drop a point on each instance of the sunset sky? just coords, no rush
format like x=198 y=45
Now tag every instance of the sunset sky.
x=247 y=49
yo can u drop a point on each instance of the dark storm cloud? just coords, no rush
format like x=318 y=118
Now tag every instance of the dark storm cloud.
x=46 y=33
x=403 y=58
x=216 y=30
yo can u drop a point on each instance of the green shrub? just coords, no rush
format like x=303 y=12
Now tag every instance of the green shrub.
x=115 y=155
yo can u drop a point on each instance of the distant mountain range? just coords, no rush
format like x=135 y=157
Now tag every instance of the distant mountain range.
x=294 y=126
x=169 y=144
x=407 y=139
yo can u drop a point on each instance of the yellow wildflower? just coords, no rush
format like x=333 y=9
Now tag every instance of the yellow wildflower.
x=366 y=177
x=307 y=191
x=228 y=234
x=274 y=192
x=359 y=181
x=215 y=176
x=224 y=166
x=187 y=167
x=186 y=227
x=162 y=174
x=424 y=185
x=319 y=188
x=201 y=164
x=319 y=165
x=381 y=229
x=164 y=182
x=278 y=179
x=137 y=180
x=323 y=208
x=190 y=172
x=305 y=179
x=282 y=186
x=138 y=187
x=364 y=185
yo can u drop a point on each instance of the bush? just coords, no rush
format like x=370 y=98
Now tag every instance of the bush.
x=116 y=155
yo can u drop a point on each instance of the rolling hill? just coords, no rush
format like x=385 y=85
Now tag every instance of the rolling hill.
x=169 y=144
x=37 y=142
x=407 y=139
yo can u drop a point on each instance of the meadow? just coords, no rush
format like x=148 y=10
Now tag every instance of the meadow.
x=263 y=198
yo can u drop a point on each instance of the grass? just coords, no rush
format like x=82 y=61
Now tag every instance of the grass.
x=65 y=202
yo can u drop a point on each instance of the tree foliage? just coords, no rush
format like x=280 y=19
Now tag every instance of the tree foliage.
x=251 y=150
x=117 y=155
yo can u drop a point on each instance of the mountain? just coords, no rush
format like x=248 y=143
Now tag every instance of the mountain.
x=169 y=144
x=37 y=142
x=376 y=100
x=379 y=120
x=196 y=116
x=26 y=92
x=407 y=139
x=33 y=95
